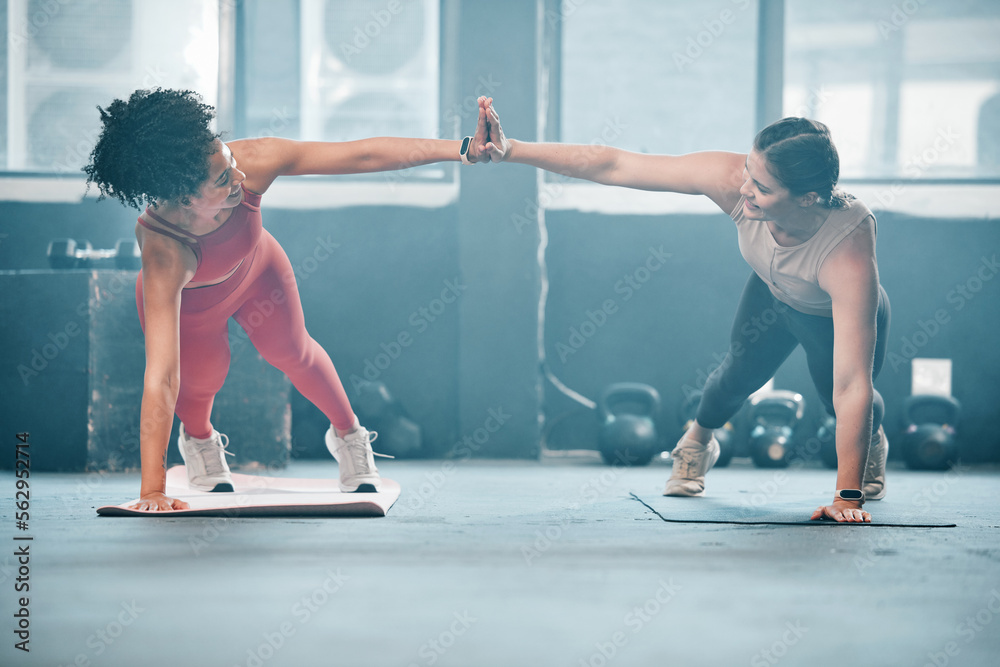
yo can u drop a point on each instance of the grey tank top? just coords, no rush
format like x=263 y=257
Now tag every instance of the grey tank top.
x=792 y=272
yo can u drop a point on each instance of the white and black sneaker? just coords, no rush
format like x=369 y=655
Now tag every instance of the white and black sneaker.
x=205 y=461
x=356 y=459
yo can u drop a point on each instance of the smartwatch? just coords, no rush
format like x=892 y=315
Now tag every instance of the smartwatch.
x=463 y=152
x=851 y=494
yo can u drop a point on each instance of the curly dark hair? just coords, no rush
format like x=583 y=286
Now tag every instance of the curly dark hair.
x=155 y=146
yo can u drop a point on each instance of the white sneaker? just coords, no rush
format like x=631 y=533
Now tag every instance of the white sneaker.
x=205 y=461
x=356 y=460
x=874 y=484
x=691 y=461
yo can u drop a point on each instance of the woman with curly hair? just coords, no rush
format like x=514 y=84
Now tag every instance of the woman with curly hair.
x=814 y=283
x=206 y=258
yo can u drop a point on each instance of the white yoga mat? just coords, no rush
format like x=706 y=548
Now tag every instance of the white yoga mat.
x=258 y=496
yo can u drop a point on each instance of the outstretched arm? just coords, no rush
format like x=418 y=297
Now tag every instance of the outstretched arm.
x=716 y=174
x=266 y=159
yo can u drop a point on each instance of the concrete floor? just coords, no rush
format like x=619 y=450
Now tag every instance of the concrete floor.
x=508 y=563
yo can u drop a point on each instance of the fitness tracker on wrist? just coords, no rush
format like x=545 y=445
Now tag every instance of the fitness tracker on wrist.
x=851 y=494
x=464 y=151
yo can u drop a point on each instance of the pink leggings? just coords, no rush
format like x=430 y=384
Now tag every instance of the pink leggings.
x=264 y=299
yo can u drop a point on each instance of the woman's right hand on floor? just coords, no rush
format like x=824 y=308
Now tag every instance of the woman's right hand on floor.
x=158 y=502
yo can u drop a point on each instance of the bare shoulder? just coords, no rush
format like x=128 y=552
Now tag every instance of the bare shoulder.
x=852 y=264
x=730 y=179
x=262 y=160
x=166 y=262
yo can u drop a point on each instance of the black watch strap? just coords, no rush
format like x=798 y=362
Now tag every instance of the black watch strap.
x=851 y=494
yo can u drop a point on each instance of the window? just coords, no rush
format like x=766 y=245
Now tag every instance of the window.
x=658 y=77
x=63 y=59
x=909 y=89
x=339 y=70
x=330 y=70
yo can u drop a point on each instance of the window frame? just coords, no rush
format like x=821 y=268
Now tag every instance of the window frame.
x=306 y=192
x=971 y=197
x=979 y=196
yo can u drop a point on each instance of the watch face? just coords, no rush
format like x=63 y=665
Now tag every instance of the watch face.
x=465 y=145
x=851 y=494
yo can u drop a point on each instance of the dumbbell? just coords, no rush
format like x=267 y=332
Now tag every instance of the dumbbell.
x=928 y=440
x=774 y=416
x=73 y=254
x=725 y=436
x=627 y=412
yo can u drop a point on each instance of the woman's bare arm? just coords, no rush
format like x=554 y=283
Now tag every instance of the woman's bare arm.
x=264 y=160
x=850 y=276
x=717 y=175
x=166 y=268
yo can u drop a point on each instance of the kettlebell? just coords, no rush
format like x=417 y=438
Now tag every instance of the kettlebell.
x=627 y=412
x=774 y=416
x=928 y=441
x=725 y=436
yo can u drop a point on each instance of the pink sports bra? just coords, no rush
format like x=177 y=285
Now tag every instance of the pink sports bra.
x=221 y=250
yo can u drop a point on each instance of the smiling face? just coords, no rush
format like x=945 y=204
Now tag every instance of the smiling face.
x=221 y=190
x=766 y=197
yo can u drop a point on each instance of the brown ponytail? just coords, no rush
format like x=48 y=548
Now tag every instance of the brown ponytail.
x=801 y=155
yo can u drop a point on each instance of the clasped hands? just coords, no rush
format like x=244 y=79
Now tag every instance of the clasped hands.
x=488 y=143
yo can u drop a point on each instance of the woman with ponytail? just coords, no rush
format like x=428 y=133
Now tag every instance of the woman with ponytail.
x=812 y=251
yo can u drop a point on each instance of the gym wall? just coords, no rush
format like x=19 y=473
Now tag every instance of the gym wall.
x=385 y=268
x=673 y=330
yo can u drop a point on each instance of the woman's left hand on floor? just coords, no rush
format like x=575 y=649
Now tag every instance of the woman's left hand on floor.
x=842 y=511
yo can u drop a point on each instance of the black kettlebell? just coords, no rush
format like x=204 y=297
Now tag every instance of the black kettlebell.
x=928 y=441
x=628 y=429
x=725 y=436
x=774 y=416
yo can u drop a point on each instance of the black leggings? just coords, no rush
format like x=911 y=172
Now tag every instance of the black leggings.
x=765 y=331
